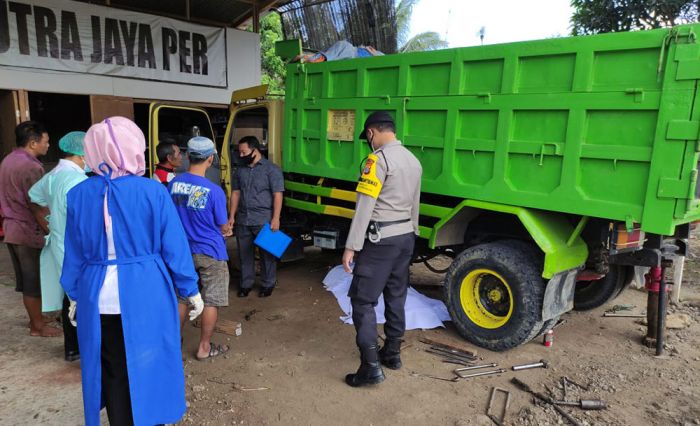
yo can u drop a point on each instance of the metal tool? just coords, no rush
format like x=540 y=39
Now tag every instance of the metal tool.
x=585 y=404
x=450 y=356
x=453 y=353
x=454 y=361
x=524 y=387
x=563 y=387
x=458 y=371
x=474 y=367
x=483 y=373
x=454 y=379
x=578 y=385
x=541 y=364
x=612 y=314
x=432 y=342
x=499 y=420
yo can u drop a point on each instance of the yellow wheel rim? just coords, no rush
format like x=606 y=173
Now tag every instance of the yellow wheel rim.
x=486 y=298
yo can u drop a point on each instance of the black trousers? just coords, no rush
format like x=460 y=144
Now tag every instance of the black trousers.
x=381 y=268
x=115 y=381
x=246 y=252
x=70 y=333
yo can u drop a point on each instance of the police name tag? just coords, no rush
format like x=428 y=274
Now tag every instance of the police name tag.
x=369 y=184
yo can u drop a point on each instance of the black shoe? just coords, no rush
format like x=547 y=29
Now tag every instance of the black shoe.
x=266 y=292
x=243 y=292
x=390 y=354
x=72 y=356
x=370 y=371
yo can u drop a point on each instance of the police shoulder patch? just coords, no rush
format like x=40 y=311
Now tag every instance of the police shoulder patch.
x=368 y=183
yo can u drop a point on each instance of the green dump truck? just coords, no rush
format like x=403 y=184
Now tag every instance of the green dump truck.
x=551 y=168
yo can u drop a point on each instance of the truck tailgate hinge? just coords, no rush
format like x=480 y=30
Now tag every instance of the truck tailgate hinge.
x=688 y=58
x=683 y=130
x=683 y=188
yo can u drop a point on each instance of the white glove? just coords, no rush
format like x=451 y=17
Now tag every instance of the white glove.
x=71 y=312
x=198 y=306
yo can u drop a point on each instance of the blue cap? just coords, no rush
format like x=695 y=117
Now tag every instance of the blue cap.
x=73 y=143
x=200 y=147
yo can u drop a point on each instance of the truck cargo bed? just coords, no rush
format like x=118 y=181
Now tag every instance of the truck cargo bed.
x=603 y=126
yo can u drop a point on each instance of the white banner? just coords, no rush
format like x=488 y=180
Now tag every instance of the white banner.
x=79 y=37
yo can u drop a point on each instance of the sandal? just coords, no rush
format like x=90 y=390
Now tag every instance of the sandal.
x=214 y=351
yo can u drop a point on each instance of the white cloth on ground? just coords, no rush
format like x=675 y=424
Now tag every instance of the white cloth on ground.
x=422 y=312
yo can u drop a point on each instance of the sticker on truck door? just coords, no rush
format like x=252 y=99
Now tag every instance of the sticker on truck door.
x=369 y=184
x=341 y=125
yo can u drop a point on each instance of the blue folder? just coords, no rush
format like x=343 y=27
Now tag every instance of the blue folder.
x=274 y=243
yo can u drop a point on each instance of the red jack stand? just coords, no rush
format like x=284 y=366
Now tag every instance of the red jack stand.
x=657 y=302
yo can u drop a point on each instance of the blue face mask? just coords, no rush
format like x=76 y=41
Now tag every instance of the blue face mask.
x=86 y=168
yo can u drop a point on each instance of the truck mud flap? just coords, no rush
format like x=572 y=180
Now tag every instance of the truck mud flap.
x=559 y=294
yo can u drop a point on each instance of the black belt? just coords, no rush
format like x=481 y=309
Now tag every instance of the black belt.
x=373 y=230
x=391 y=222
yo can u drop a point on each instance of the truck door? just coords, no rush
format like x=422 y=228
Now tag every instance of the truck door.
x=178 y=124
x=252 y=114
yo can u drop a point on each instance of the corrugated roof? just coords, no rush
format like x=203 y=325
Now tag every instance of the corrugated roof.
x=225 y=13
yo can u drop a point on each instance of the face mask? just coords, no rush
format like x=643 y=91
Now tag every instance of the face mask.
x=248 y=159
x=86 y=168
x=369 y=142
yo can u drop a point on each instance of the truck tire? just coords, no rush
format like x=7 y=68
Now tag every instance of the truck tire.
x=494 y=294
x=592 y=294
x=531 y=249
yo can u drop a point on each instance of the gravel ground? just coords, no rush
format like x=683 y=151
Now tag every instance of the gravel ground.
x=288 y=366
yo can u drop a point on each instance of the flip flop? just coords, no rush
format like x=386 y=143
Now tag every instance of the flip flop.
x=214 y=351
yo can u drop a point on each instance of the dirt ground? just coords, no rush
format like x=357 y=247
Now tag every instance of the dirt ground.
x=288 y=365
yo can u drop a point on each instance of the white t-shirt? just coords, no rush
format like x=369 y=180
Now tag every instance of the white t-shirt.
x=108 y=301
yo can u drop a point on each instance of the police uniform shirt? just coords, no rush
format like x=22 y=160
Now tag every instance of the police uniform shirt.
x=388 y=190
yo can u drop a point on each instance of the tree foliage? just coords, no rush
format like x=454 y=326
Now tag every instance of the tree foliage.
x=429 y=40
x=273 y=70
x=602 y=16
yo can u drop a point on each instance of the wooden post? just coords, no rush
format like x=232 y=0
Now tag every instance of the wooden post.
x=23 y=103
x=256 y=17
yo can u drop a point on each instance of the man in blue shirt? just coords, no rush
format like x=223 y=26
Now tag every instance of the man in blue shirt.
x=201 y=206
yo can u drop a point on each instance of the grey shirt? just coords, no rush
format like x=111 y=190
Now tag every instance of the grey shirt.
x=399 y=173
x=257 y=184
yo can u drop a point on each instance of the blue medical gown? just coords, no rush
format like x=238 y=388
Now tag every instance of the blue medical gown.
x=153 y=260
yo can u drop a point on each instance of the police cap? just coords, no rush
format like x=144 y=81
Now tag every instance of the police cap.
x=375 y=118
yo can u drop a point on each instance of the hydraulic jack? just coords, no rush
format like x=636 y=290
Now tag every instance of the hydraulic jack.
x=657 y=300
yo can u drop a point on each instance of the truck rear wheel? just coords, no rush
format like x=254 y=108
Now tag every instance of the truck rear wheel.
x=592 y=294
x=494 y=293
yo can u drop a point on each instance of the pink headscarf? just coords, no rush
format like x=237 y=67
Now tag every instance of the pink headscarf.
x=115 y=145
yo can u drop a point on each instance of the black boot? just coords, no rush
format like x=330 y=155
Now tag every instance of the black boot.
x=390 y=354
x=370 y=371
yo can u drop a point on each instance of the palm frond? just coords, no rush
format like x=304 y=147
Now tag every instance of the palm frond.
x=429 y=40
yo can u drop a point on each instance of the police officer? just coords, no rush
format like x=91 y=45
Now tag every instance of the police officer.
x=381 y=240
